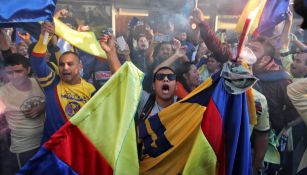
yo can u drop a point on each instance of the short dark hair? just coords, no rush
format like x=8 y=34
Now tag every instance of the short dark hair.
x=16 y=59
x=70 y=52
x=183 y=68
x=140 y=36
x=162 y=68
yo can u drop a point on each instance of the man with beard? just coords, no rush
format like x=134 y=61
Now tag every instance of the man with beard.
x=273 y=82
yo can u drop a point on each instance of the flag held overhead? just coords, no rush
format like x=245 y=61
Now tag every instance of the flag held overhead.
x=101 y=137
x=26 y=11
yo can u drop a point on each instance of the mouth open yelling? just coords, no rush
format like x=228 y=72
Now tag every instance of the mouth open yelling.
x=165 y=89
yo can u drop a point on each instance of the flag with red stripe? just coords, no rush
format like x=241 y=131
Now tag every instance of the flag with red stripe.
x=205 y=133
x=100 y=138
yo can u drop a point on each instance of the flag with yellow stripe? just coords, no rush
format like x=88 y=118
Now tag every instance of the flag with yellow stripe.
x=248 y=9
x=85 y=41
x=100 y=138
x=207 y=132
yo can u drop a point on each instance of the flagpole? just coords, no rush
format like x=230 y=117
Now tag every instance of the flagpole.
x=247 y=26
x=245 y=31
x=193 y=26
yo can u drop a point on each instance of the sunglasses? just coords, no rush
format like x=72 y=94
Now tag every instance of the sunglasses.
x=170 y=77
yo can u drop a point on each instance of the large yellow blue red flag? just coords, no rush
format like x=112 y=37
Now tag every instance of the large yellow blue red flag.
x=101 y=137
x=269 y=14
x=204 y=133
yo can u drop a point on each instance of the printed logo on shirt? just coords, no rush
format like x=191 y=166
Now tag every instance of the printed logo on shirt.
x=74 y=97
x=72 y=103
x=31 y=103
x=72 y=108
x=258 y=107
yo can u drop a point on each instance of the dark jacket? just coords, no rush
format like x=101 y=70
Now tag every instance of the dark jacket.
x=273 y=85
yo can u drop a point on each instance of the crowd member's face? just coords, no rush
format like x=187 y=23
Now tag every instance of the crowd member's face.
x=163 y=87
x=183 y=36
x=17 y=74
x=202 y=49
x=258 y=50
x=213 y=65
x=165 y=51
x=299 y=67
x=142 y=43
x=192 y=77
x=69 y=67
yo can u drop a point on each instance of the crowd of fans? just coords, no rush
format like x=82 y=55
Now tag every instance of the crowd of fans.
x=42 y=86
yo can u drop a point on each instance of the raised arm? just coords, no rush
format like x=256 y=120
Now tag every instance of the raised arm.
x=298 y=43
x=285 y=41
x=151 y=48
x=222 y=52
x=4 y=43
x=108 y=44
x=45 y=74
x=179 y=53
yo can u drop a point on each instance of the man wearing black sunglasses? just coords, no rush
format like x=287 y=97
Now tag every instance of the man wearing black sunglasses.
x=164 y=87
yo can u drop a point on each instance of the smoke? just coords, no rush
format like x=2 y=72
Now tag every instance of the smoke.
x=165 y=16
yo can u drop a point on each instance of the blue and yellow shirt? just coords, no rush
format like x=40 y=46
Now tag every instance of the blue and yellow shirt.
x=62 y=100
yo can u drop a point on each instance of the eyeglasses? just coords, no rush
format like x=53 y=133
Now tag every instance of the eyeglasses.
x=170 y=77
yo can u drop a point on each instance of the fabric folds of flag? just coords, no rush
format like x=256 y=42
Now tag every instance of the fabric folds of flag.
x=249 y=7
x=26 y=11
x=85 y=41
x=205 y=133
x=270 y=14
x=274 y=12
x=101 y=137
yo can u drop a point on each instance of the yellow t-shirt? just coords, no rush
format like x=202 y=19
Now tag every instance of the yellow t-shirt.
x=73 y=97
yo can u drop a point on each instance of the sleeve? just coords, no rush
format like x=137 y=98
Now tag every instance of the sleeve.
x=297 y=93
x=290 y=113
x=214 y=44
x=262 y=111
x=286 y=59
x=46 y=76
